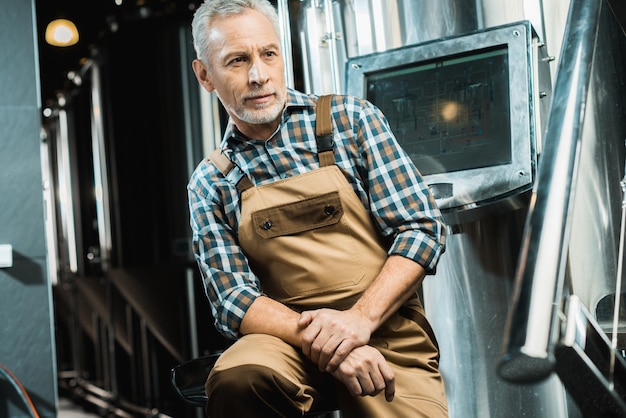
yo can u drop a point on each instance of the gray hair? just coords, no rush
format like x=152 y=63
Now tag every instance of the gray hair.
x=221 y=8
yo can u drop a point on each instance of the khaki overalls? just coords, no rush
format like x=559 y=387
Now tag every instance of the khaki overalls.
x=312 y=244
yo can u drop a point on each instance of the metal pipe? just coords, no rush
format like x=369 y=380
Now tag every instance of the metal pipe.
x=49 y=190
x=285 y=27
x=331 y=39
x=618 y=279
x=101 y=178
x=191 y=312
x=529 y=334
x=110 y=335
x=66 y=205
x=188 y=87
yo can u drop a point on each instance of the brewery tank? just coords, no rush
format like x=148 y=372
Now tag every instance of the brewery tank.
x=467 y=299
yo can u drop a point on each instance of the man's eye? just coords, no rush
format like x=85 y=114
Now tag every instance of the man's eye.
x=237 y=60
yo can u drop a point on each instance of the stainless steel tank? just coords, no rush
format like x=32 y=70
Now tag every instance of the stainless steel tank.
x=467 y=304
x=467 y=300
x=330 y=31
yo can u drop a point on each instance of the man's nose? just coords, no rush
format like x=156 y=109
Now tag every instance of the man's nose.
x=257 y=74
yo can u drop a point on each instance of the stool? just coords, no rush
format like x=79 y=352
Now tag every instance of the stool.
x=188 y=380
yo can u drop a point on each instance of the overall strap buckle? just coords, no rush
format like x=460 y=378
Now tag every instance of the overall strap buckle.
x=324 y=131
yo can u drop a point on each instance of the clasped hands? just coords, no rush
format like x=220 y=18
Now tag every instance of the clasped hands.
x=337 y=342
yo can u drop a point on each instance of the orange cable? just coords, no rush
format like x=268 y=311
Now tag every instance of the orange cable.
x=24 y=393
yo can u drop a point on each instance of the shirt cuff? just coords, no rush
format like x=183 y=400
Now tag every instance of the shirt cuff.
x=234 y=308
x=419 y=247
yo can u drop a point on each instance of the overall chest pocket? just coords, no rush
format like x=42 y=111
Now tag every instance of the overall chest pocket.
x=306 y=254
x=298 y=217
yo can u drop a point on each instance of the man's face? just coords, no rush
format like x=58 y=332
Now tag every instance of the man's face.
x=246 y=70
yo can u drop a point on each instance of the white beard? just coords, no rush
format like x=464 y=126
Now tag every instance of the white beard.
x=263 y=113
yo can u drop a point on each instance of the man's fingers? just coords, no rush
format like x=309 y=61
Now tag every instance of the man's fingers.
x=327 y=352
x=378 y=384
x=390 y=381
x=309 y=336
x=339 y=355
x=305 y=319
x=367 y=386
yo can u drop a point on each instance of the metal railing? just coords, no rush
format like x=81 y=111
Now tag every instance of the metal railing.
x=531 y=326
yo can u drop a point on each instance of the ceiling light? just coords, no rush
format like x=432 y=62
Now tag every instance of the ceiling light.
x=61 y=32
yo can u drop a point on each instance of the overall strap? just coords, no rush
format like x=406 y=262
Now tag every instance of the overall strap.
x=226 y=167
x=324 y=131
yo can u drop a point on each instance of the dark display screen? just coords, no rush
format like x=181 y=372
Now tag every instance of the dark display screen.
x=450 y=114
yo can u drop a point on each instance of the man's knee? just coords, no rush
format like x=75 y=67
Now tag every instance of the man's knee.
x=249 y=378
x=250 y=388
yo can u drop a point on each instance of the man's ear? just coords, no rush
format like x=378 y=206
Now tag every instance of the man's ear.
x=202 y=75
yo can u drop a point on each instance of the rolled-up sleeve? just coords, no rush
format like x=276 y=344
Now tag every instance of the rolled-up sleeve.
x=399 y=199
x=230 y=285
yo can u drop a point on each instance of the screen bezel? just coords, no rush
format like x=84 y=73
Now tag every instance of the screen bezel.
x=476 y=186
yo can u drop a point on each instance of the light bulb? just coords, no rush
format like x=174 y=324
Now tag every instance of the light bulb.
x=61 y=32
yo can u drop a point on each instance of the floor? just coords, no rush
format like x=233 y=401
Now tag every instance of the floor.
x=67 y=409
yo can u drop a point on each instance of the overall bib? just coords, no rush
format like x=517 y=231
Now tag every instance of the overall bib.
x=312 y=244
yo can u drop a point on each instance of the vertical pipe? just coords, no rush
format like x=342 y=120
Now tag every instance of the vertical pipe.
x=130 y=335
x=145 y=360
x=186 y=90
x=75 y=329
x=66 y=204
x=49 y=189
x=191 y=312
x=110 y=336
x=285 y=27
x=618 y=280
x=101 y=180
x=331 y=37
x=101 y=358
x=533 y=11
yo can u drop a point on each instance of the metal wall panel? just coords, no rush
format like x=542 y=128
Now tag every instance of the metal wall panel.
x=26 y=335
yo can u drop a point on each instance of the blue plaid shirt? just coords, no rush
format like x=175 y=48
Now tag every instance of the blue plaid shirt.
x=381 y=174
